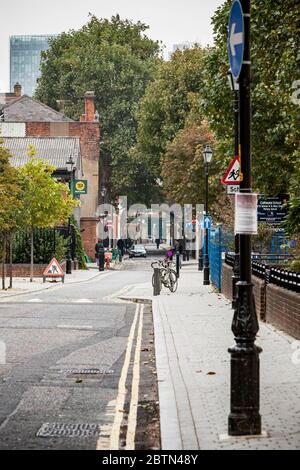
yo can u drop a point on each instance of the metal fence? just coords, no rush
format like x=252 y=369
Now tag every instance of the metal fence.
x=286 y=279
x=262 y=269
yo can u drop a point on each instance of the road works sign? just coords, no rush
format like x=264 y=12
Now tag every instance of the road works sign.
x=236 y=38
x=232 y=175
x=54 y=270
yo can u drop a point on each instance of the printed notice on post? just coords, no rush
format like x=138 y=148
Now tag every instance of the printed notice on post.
x=245 y=214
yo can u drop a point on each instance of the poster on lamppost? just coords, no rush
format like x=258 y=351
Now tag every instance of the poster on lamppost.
x=245 y=214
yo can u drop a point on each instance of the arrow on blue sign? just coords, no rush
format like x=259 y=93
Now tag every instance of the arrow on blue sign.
x=236 y=38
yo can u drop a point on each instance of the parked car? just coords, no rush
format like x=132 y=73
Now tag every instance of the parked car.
x=137 y=250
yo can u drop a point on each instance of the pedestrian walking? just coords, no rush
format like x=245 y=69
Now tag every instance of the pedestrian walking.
x=157 y=241
x=121 y=245
x=99 y=248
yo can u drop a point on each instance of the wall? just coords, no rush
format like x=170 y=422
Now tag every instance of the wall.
x=23 y=270
x=88 y=226
x=283 y=309
x=275 y=305
x=89 y=134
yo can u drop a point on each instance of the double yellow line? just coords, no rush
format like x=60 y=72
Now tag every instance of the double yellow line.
x=121 y=397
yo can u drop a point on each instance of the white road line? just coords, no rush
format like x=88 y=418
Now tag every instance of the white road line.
x=35 y=300
x=119 y=409
x=132 y=418
x=76 y=327
x=83 y=301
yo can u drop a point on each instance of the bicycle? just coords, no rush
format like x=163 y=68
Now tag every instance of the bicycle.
x=168 y=276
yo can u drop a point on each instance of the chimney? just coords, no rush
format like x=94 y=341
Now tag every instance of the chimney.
x=17 y=89
x=89 y=101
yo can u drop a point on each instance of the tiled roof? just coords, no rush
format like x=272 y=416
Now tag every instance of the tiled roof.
x=27 y=109
x=55 y=150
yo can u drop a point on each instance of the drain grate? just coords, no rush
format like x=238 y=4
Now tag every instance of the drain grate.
x=91 y=371
x=68 y=430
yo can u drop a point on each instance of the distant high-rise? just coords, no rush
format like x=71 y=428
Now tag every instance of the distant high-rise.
x=181 y=47
x=25 y=57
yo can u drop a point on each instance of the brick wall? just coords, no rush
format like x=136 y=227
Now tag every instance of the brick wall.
x=89 y=135
x=258 y=290
x=23 y=270
x=275 y=305
x=283 y=309
x=88 y=227
x=38 y=129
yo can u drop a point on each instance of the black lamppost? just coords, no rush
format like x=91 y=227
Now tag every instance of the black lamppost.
x=70 y=163
x=207 y=155
x=234 y=86
x=103 y=192
x=244 y=417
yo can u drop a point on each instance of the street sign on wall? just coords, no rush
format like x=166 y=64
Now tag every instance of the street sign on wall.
x=236 y=38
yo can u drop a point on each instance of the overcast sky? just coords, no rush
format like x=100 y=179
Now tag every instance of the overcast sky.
x=171 y=21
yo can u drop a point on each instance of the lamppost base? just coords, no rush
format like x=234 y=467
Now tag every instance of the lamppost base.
x=244 y=424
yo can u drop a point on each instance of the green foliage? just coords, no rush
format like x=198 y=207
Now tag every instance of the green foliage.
x=10 y=193
x=275 y=59
x=116 y=60
x=292 y=222
x=48 y=244
x=80 y=253
x=182 y=165
x=45 y=200
x=261 y=241
x=167 y=104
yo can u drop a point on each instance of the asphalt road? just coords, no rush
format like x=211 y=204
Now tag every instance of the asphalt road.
x=69 y=352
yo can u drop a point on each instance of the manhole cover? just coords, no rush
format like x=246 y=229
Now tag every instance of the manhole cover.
x=68 y=430
x=91 y=371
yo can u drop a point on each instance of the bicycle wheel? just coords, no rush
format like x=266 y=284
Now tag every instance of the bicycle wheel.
x=173 y=281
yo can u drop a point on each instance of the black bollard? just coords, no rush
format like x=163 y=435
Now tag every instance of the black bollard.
x=200 y=262
x=177 y=264
x=156 y=282
x=101 y=259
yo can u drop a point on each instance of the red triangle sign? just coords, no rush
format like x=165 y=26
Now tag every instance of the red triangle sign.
x=232 y=175
x=53 y=269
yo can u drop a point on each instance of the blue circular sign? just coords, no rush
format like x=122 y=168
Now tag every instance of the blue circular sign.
x=236 y=38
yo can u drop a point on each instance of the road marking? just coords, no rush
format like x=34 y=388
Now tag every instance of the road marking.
x=76 y=327
x=34 y=300
x=132 y=417
x=120 y=401
x=83 y=301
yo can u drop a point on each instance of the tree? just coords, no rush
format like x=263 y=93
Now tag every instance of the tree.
x=45 y=200
x=167 y=103
x=115 y=59
x=10 y=202
x=275 y=59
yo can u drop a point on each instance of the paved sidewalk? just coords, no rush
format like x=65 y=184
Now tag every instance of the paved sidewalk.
x=24 y=286
x=192 y=335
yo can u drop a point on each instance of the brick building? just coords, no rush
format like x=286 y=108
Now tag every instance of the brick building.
x=23 y=116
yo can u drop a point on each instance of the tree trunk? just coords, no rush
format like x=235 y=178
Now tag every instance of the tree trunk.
x=31 y=255
x=3 y=261
x=10 y=260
